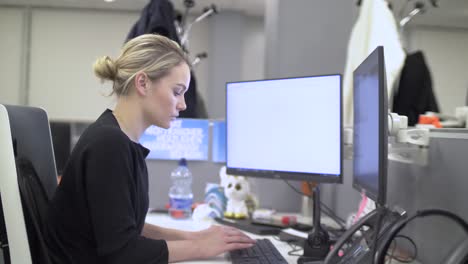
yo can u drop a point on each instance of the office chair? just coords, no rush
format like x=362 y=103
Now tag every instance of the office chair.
x=460 y=254
x=35 y=202
x=27 y=184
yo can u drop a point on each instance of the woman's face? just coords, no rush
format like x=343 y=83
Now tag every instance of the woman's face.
x=165 y=98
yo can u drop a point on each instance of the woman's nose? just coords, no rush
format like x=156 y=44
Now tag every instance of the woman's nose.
x=181 y=106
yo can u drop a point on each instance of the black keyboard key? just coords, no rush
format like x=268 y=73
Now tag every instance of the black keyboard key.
x=263 y=252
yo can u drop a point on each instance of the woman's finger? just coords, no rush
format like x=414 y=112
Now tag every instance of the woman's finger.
x=234 y=246
x=239 y=239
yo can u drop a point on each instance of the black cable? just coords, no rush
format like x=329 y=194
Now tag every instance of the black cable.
x=380 y=218
x=335 y=218
x=420 y=213
x=454 y=217
x=294 y=249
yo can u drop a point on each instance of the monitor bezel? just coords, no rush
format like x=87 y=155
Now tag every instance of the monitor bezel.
x=286 y=175
x=381 y=196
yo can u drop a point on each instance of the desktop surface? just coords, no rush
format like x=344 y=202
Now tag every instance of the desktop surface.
x=164 y=220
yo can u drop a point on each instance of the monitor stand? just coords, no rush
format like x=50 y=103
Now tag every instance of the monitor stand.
x=317 y=245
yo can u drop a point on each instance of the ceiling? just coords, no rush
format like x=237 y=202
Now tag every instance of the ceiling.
x=449 y=13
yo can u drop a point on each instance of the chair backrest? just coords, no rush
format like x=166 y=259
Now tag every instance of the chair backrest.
x=460 y=254
x=29 y=128
x=35 y=202
x=18 y=247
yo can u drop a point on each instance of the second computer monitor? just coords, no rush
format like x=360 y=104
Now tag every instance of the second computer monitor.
x=370 y=127
x=285 y=128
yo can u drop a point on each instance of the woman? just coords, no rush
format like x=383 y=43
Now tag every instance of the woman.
x=97 y=214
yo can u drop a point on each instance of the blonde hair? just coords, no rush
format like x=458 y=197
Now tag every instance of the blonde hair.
x=152 y=54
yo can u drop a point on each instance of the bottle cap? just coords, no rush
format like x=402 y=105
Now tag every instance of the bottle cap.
x=183 y=162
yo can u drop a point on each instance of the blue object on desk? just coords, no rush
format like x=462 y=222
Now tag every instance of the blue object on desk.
x=187 y=138
x=219 y=141
x=215 y=198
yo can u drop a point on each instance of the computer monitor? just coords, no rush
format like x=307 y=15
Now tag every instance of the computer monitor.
x=288 y=129
x=370 y=127
x=61 y=141
x=285 y=128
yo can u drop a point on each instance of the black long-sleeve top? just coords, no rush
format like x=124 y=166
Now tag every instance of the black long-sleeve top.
x=98 y=211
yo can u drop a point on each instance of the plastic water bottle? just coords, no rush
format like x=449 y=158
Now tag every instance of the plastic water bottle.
x=180 y=193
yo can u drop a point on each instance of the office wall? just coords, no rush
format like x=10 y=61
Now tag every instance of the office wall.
x=65 y=42
x=253 y=55
x=11 y=28
x=445 y=52
x=64 y=46
x=307 y=37
x=227 y=39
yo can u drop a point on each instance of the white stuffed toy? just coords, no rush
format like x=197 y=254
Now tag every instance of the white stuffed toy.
x=237 y=191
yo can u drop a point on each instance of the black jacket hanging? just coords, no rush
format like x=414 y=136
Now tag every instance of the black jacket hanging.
x=415 y=95
x=158 y=17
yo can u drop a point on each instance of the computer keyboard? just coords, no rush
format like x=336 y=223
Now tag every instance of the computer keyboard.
x=263 y=252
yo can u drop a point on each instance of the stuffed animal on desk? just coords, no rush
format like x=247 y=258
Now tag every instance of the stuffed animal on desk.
x=237 y=192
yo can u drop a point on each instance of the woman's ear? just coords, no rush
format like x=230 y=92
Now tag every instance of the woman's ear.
x=141 y=83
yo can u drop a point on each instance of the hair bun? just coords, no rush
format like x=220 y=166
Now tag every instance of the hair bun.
x=105 y=68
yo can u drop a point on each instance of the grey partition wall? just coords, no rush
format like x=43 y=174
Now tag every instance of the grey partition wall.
x=441 y=184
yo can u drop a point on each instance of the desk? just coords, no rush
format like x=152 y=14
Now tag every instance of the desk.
x=164 y=220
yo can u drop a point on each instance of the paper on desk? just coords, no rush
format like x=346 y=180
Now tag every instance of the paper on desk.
x=294 y=232
x=164 y=220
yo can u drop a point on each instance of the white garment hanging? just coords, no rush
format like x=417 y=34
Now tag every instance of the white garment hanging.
x=375 y=26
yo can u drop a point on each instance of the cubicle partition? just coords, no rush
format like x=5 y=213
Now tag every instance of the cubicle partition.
x=442 y=183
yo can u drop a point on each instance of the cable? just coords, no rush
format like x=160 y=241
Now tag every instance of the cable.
x=380 y=218
x=294 y=249
x=383 y=247
x=330 y=213
x=399 y=258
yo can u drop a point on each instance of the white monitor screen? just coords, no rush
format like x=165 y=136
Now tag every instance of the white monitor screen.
x=285 y=128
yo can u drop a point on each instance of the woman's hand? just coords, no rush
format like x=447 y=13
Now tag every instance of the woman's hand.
x=220 y=239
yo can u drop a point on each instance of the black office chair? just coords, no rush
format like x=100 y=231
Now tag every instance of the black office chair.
x=460 y=254
x=28 y=179
x=35 y=202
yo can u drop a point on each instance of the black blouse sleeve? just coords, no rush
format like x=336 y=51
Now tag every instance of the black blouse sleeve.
x=110 y=192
